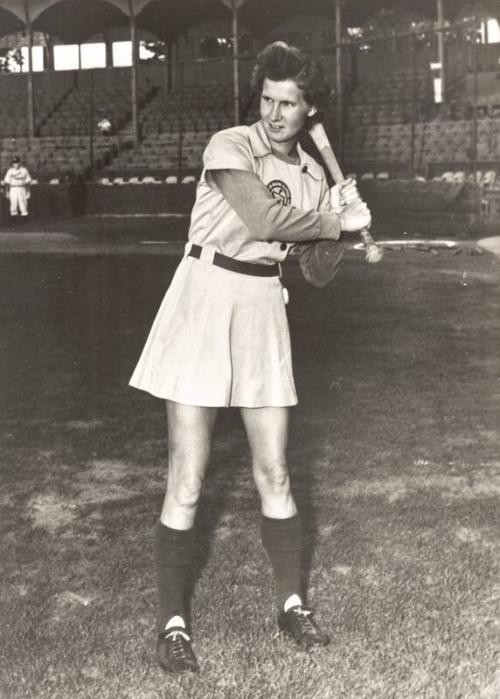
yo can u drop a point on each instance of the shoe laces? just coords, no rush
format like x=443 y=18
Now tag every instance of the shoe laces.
x=178 y=642
x=302 y=615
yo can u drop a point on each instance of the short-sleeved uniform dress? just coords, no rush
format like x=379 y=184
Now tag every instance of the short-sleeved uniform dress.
x=221 y=338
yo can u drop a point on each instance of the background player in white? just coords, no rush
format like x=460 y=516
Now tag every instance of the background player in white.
x=17 y=182
x=221 y=335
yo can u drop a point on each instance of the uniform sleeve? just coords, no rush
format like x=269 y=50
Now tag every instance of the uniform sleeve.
x=228 y=150
x=267 y=218
x=27 y=176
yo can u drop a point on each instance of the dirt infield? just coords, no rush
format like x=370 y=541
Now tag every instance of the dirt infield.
x=394 y=455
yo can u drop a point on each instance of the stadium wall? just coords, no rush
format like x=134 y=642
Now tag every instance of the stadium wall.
x=66 y=201
x=442 y=207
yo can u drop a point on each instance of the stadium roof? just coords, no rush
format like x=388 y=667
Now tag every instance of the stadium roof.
x=78 y=20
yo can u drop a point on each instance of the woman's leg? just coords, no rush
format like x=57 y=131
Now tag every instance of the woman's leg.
x=190 y=431
x=267 y=431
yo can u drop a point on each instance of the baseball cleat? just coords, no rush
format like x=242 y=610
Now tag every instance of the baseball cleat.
x=174 y=652
x=298 y=624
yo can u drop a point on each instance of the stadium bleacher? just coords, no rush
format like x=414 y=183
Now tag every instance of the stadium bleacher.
x=175 y=125
x=72 y=114
x=13 y=110
x=58 y=156
x=159 y=153
x=206 y=107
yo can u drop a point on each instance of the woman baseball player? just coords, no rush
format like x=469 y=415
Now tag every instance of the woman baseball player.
x=221 y=336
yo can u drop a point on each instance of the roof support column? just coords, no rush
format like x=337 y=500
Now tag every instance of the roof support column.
x=475 y=96
x=234 y=6
x=413 y=110
x=31 y=103
x=236 y=65
x=441 y=52
x=133 y=72
x=338 y=74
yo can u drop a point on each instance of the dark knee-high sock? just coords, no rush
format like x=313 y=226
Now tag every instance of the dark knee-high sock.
x=174 y=555
x=282 y=540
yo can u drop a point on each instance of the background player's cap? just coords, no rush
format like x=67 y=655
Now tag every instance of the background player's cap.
x=15 y=159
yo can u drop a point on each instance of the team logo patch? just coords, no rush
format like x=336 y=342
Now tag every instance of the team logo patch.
x=280 y=191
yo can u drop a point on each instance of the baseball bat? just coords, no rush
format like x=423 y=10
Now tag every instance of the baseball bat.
x=318 y=135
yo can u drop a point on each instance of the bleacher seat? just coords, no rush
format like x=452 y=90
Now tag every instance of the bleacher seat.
x=175 y=127
x=488 y=180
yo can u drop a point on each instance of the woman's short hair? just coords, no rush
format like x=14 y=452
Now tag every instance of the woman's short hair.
x=279 y=61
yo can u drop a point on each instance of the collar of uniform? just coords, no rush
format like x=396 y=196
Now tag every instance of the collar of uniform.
x=259 y=143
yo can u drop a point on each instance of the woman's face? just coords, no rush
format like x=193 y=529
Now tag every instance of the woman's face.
x=283 y=111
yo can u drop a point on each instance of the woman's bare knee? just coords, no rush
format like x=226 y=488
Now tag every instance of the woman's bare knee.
x=271 y=477
x=189 y=437
x=273 y=485
x=185 y=494
x=184 y=488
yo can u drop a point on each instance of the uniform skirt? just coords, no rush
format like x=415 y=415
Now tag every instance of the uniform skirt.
x=220 y=339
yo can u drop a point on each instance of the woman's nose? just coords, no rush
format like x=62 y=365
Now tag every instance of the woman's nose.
x=275 y=113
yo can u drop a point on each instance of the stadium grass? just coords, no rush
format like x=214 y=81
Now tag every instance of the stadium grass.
x=394 y=458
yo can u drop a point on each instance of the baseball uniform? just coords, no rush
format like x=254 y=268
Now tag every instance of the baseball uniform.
x=17 y=180
x=221 y=338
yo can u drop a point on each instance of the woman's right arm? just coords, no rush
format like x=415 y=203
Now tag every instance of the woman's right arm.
x=267 y=218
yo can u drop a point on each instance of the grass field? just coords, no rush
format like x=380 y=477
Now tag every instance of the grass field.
x=394 y=453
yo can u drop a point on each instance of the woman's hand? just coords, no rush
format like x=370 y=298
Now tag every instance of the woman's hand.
x=347 y=203
x=355 y=216
x=344 y=193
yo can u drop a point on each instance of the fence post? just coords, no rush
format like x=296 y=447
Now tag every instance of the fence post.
x=31 y=107
x=338 y=75
x=441 y=56
x=133 y=69
x=236 y=67
x=91 y=126
x=413 y=107
x=181 y=124
x=474 y=99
